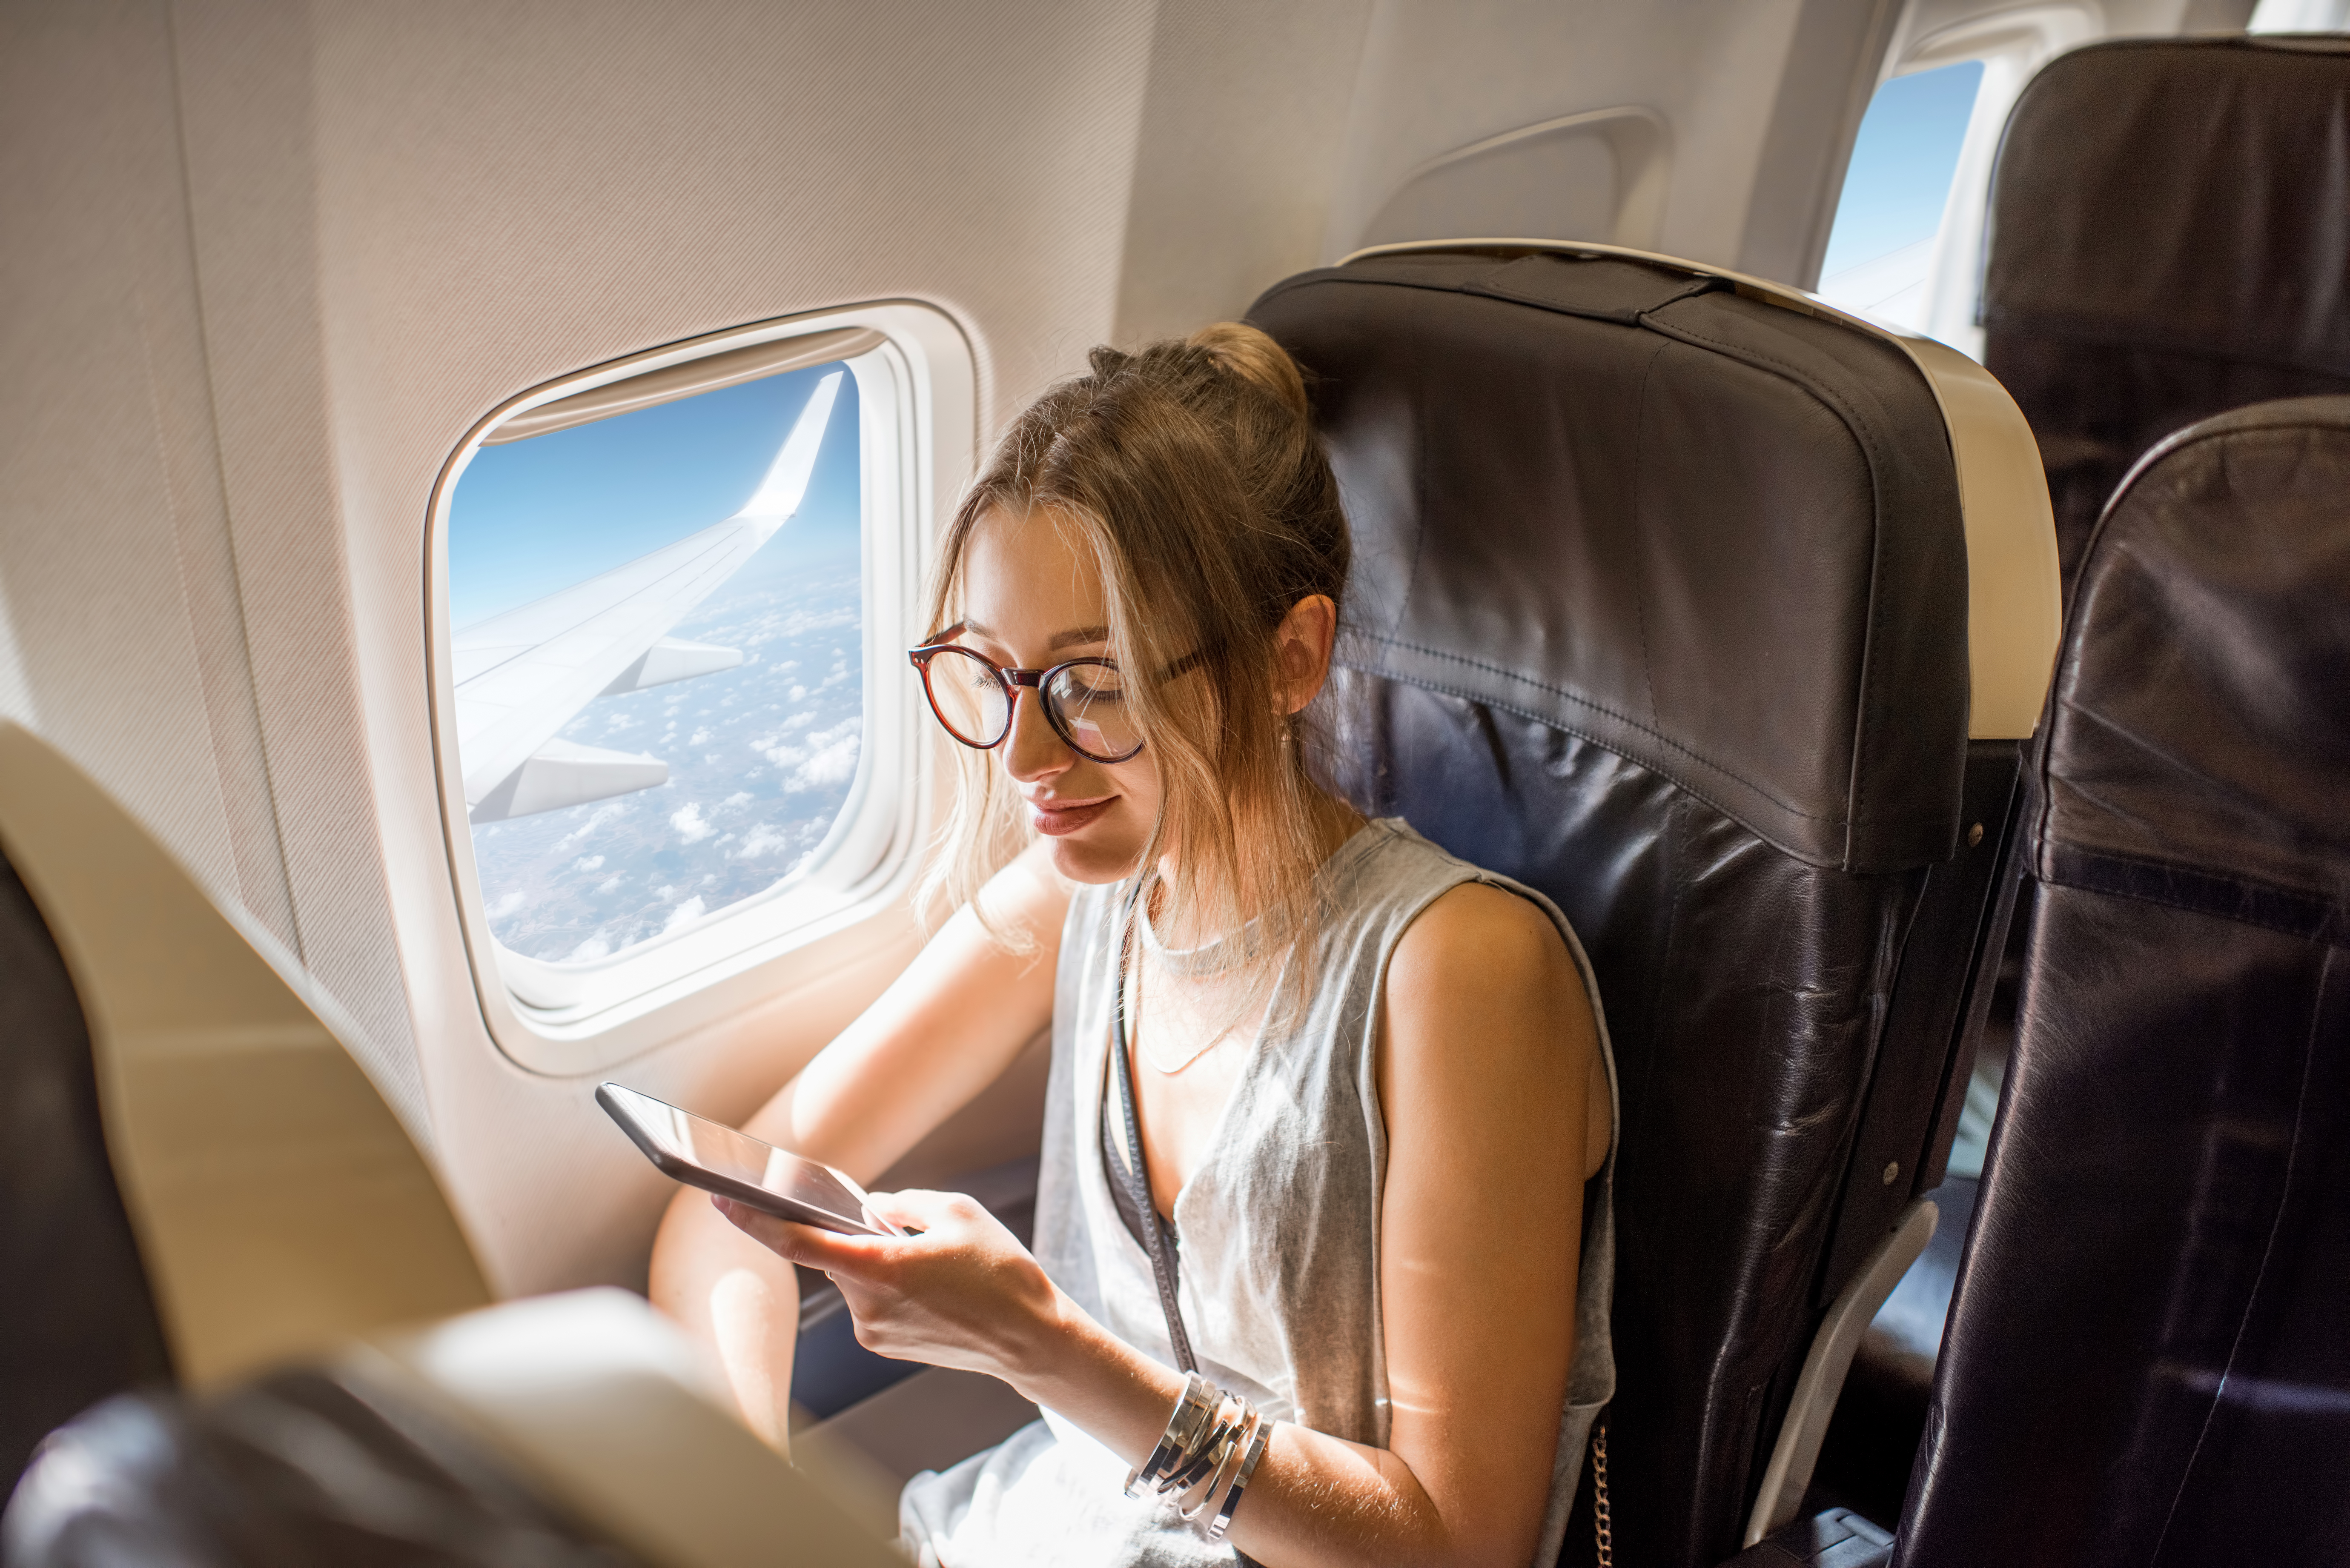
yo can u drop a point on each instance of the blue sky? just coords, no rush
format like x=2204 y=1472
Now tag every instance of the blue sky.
x=540 y=514
x=1902 y=164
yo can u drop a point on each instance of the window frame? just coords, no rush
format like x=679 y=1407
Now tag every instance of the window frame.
x=2012 y=46
x=916 y=394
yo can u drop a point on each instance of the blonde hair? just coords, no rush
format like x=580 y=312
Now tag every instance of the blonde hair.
x=1190 y=474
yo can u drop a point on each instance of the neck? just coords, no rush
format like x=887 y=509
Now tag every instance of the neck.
x=1334 y=821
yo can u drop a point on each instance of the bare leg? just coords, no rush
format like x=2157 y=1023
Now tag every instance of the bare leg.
x=739 y=1300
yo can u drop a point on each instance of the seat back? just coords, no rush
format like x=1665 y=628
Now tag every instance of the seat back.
x=76 y=1320
x=1661 y=605
x=279 y=1205
x=2167 y=243
x=2146 y=1359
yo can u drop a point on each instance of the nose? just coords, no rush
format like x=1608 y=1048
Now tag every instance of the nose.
x=1032 y=751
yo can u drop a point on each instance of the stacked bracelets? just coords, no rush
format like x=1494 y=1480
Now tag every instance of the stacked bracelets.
x=1213 y=1437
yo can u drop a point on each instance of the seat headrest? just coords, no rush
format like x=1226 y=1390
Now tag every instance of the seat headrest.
x=2198 y=751
x=2186 y=194
x=1719 y=537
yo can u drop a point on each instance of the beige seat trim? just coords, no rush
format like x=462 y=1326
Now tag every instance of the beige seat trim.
x=606 y=1405
x=280 y=1207
x=2014 y=595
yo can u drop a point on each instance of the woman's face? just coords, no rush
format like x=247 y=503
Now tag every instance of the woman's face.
x=1030 y=601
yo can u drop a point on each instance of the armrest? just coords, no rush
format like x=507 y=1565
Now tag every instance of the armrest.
x=1838 y=1538
x=608 y=1407
x=1789 y=1473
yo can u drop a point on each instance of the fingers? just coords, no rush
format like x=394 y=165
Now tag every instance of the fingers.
x=803 y=1244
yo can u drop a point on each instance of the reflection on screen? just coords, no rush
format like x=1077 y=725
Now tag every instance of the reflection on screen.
x=746 y=1159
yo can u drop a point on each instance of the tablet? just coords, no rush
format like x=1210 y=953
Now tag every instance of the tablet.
x=715 y=1158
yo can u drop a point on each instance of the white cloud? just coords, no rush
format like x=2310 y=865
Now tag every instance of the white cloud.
x=689 y=824
x=688 y=910
x=834 y=764
x=595 y=947
x=825 y=759
x=588 y=863
x=666 y=890
x=701 y=737
x=740 y=797
x=595 y=819
x=798 y=692
x=508 y=902
x=610 y=883
x=761 y=840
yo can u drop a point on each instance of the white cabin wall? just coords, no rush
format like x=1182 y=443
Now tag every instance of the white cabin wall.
x=266 y=262
x=1442 y=75
x=511 y=192
x=125 y=613
x=1242 y=130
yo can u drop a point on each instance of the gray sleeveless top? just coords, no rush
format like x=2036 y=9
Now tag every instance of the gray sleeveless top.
x=1280 y=1229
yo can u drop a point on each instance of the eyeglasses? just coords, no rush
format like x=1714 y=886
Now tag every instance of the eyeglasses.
x=1084 y=701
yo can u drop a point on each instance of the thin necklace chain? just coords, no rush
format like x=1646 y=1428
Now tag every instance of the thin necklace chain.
x=1142 y=1037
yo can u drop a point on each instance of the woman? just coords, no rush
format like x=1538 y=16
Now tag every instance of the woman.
x=1368 y=1080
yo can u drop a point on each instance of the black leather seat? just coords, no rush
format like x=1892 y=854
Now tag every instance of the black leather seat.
x=2167 y=242
x=77 y=1321
x=1660 y=606
x=2146 y=1359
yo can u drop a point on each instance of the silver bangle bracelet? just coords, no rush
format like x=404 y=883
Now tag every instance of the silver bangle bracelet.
x=1207 y=1452
x=1194 y=1408
x=1257 y=1441
x=1227 y=1464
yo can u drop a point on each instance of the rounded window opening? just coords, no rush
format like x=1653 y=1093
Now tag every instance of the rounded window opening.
x=656 y=658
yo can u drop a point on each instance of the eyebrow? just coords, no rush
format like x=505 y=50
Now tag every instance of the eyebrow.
x=1075 y=637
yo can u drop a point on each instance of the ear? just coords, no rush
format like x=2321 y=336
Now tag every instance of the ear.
x=1300 y=651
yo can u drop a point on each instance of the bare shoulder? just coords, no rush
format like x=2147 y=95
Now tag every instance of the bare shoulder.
x=1486 y=1012
x=1482 y=943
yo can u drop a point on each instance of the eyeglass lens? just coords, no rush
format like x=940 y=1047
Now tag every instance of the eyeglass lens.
x=1090 y=702
x=1086 y=702
x=969 y=697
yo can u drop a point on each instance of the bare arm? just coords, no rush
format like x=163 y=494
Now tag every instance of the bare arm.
x=1486 y=1072
x=945 y=1030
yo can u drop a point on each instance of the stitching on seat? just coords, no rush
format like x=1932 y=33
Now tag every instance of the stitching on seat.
x=1864 y=437
x=1580 y=701
x=1551 y=720
x=1639 y=445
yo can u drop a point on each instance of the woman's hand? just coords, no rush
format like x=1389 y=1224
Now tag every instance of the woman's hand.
x=963 y=1292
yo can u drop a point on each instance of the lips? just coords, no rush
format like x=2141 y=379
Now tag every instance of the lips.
x=1057 y=818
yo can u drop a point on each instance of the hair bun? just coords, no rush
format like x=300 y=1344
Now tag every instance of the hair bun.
x=1256 y=358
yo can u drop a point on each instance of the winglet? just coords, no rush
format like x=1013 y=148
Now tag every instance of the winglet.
x=780 y=494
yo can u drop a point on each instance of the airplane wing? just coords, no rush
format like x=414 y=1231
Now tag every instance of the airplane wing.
x=522 y=674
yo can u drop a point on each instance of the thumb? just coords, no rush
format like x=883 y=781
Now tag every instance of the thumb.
x=919 y=1209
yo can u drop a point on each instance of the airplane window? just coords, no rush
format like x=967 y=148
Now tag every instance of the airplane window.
x=656 y=658
x=1898 y=193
